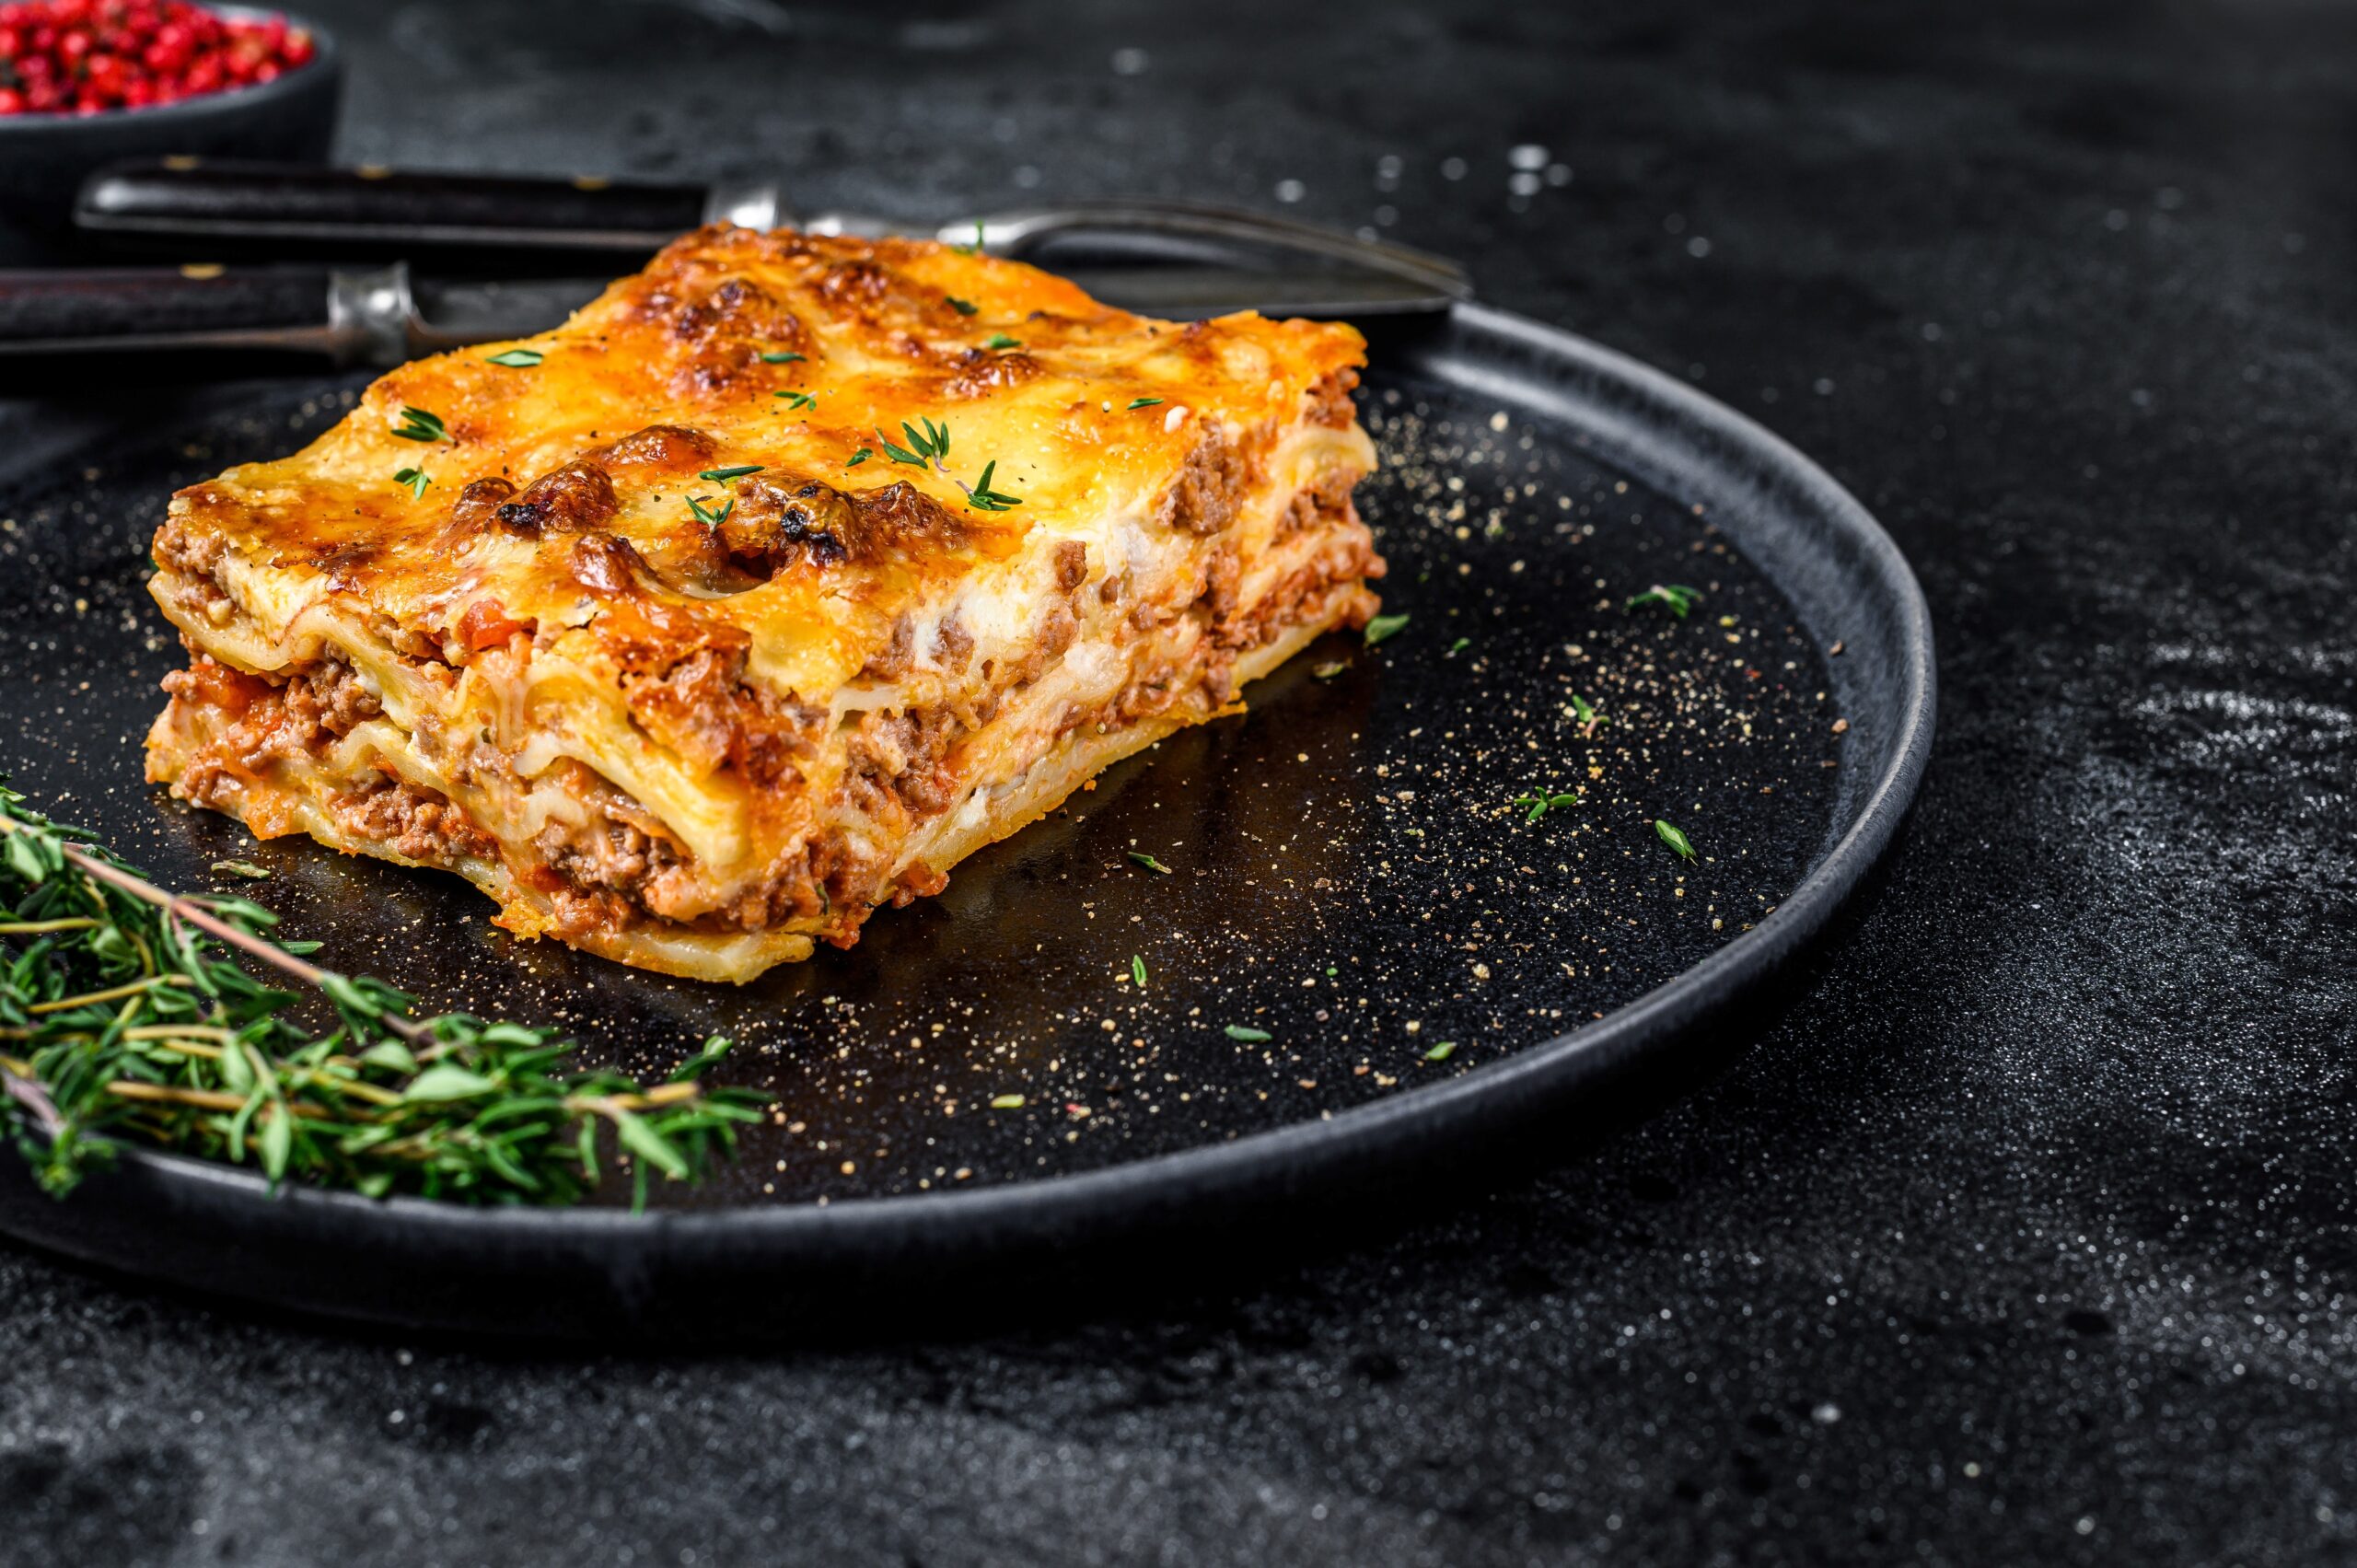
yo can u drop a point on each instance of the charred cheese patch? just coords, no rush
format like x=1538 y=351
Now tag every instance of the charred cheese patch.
x=796 y=569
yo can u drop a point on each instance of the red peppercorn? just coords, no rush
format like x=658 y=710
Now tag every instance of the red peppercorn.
x=85 y=56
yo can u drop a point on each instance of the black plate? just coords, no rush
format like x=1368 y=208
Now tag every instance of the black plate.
x=1346 y=876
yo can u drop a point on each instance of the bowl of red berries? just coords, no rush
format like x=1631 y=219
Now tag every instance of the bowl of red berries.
x=86 y=83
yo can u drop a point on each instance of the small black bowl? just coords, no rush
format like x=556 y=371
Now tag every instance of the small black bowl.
x=45 y=157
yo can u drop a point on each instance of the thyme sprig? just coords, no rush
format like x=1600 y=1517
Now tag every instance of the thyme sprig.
x=984 y=497
x=127 y=1016
x=929 y=448
x=926 y=447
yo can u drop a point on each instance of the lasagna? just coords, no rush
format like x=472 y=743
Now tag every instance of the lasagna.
x=783 y=576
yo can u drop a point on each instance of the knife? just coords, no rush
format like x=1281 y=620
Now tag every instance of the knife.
x=383 y=316
x=229 y=210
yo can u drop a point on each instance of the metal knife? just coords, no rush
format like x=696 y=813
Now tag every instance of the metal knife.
x=543 y=226
x=383 y=316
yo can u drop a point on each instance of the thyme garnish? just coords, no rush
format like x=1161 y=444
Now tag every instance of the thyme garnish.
x=1137 y=970
x=1140 y=857
x=963 y=307
x=1248 y=1034
x=417 y=425
x=782 y=356
x=928 y=447
x=799 y=400
x=1441 y=1051
x=1675 y=597
x=1000 y=339
x=1006 y=1102
x=516 y=358
x=1136 y=404
x=1541 y=802
x=722 y=476
x=1383 y=626
x=126 y=1015
x=709 y=517
x=1590 y=716
x=416 y=480
x=925 y=447
x=860 y=457
x=983 y=496
x=1674 y=839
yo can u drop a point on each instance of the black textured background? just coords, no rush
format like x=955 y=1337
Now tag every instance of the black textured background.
x=2025 y=1235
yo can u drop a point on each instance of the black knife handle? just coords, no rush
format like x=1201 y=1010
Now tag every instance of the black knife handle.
x=68 y=314
x=294 y=209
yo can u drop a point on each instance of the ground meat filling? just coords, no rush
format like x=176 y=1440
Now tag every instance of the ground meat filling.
x=614 y=856
x=1330 y=401
x=1202 y=499
x=300 y=717
x=194 y=559
x=621 y=867
x=897 y=758
x=413 y=821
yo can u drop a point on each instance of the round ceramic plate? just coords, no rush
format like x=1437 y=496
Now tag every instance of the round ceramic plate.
x=1365 y=967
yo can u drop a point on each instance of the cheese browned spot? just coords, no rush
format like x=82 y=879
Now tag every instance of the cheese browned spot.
x=701 y=738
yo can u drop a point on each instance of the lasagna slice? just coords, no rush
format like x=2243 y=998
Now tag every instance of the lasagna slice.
x=781 y=577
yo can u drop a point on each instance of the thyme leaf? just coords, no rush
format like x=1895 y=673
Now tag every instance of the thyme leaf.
x=516 y=358
x=1677 y=598
x=1670 y=834
x=984 y=497
x=414 y=480
x=417 y=425
x=1540 y=802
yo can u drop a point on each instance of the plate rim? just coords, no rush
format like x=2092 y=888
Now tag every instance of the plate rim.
x=1299 y=1156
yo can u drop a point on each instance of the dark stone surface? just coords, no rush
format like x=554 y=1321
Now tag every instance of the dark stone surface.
x=2025 y=1235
